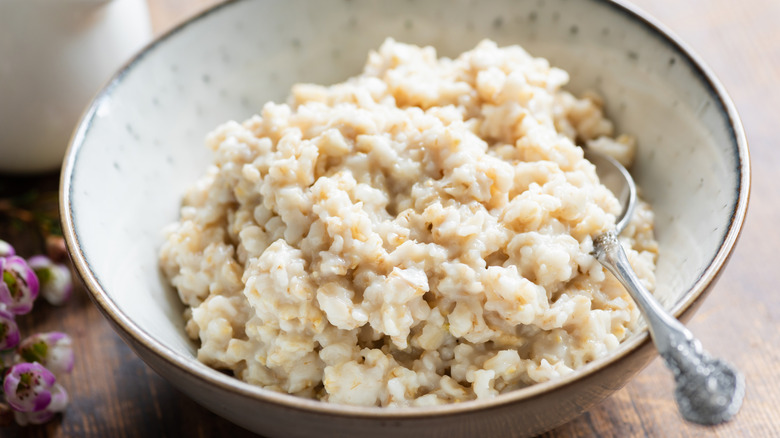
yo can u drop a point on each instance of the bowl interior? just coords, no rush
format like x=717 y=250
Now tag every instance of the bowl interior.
x=141 y=143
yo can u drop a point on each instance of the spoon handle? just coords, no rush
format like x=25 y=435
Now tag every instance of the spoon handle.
x=708 y=391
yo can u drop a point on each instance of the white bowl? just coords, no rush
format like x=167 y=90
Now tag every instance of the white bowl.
x=141 y=144
x=54 y=57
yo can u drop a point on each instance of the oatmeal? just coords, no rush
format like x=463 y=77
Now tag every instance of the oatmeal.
x=419 y=234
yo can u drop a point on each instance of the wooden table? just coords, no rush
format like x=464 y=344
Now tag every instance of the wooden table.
x=114 y=394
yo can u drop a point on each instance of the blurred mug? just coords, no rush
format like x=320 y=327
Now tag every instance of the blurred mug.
x=54 y=56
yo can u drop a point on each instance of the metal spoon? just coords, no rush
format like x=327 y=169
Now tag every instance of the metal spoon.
x=708 y=390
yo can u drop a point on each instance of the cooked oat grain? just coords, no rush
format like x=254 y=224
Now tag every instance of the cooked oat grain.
x=419 y=234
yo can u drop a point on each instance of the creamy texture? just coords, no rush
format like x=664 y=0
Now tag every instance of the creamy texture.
x=419 y=234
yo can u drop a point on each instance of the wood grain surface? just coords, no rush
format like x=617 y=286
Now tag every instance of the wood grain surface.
x=114 y=394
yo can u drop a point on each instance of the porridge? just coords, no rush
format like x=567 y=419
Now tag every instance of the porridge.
x=419 y=234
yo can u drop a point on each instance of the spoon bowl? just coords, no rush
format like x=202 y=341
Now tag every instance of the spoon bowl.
x=617 y=179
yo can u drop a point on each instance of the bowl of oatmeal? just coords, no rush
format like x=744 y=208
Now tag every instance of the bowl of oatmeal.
x=388 y=230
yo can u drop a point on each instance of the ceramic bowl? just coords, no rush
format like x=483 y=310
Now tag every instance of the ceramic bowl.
x=140 y=146
x=54 y=56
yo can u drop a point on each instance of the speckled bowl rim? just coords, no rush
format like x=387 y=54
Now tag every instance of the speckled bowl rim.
x=121 y=322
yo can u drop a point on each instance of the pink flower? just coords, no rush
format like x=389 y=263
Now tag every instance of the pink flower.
x=9 y=331
x=59 y=401
x=30 y=393
x=28 y=387
x=19 y=285
x=55 y=279
x=52 y=350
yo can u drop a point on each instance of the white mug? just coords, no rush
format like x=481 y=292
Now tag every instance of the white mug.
x=54 y=56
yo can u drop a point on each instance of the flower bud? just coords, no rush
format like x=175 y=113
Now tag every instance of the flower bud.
x=28 y=387
x=53 y=350
x=59 y=401
x=6 y=250
x=19 y=285
x=9 y=331
x=56 y=284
